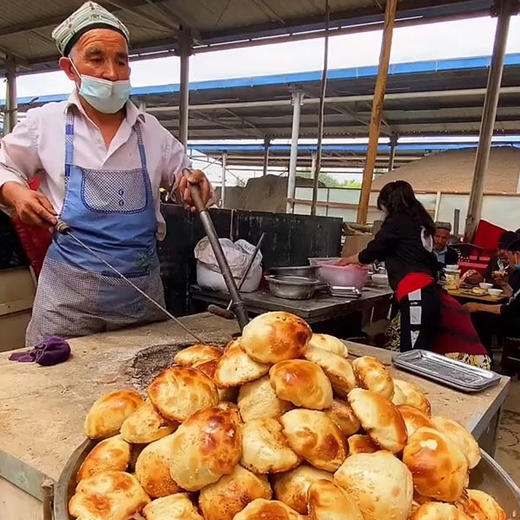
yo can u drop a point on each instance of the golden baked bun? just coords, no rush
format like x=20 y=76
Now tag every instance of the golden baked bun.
x=110 y=454
x=329 y=502
x=113 y=494
x=378 y=483
x=292 y=487
x=172 y=507
x=152 y=468
x=461 y=437
x=478 y=505
x=410 y=394
x=224 y=499
x=314 y=436
x=197 y=354
x=265 y=449
x=235 y=367
x=261 y=509
x=177 y=392
x=336 y=368
x=275 y=336
x=438 y=511
x=329 y=343
x=257 y=400
x=414 y=418
x=224 y=394
x=108 y=413
x=343 y=415
x=301 y=382
x=361 y=444
x=206 y=446
x=439 y=468
x=372 y=375
x=146 y=425
x=380 y=418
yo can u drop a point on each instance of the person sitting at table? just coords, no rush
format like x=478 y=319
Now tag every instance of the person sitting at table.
x=405 y=244
x=500 y=319
x=445 y=254
x=498 y=267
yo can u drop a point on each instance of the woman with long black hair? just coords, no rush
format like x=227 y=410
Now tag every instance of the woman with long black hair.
x=405 y=244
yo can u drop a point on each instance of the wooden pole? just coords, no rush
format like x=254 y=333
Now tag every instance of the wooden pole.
x=505 y=9
x=377 y=110
x=267 y=142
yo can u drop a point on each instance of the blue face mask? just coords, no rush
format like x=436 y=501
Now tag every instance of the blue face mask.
x=104 y=95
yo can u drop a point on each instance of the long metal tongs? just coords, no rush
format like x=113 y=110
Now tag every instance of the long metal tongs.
x=237 y=305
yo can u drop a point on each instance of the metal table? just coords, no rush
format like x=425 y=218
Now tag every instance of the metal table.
x=321 y=307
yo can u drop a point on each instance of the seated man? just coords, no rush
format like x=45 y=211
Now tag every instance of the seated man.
x=498 y=268
x=445 y=255
x=501 y=319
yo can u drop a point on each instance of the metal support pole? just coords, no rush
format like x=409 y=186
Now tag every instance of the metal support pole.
x=321 y=111
x=297 y=101
x=377 y=111
x=393 y=144
x=185 y=50
x=267 y=142
x=11 y=104
x=223 y=188
x=505 y=9
x=142 y=105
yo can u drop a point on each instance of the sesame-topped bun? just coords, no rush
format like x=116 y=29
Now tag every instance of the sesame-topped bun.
x=372 y=375
x=329 y=343
x=197 y=354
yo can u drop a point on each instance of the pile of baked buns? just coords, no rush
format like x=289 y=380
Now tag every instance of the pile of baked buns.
x=278 y=425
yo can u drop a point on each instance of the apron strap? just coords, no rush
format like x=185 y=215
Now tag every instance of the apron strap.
x=140 y=145
x=69 y=143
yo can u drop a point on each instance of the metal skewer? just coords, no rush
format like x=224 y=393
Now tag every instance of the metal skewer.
x=237 y=306
x=63 y=228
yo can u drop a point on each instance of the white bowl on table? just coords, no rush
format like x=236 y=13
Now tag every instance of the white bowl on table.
x=486 y=286
x=495 y=292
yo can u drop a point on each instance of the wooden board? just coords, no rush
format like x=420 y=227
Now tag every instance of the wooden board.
x=461 y=294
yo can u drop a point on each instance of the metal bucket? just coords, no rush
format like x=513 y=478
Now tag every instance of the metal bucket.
x=488 y=476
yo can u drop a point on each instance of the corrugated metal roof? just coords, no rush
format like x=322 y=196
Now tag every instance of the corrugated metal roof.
x=423 y=98
x=25 y=27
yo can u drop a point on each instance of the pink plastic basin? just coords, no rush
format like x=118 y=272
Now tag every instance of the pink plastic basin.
x=343 y=275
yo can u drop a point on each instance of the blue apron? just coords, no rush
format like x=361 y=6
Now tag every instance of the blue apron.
x=113 y=212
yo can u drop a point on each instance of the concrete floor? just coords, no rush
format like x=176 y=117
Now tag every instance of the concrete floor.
x=508 y=445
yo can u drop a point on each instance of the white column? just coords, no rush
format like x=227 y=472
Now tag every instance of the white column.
x=297 y=101
x=223 y=189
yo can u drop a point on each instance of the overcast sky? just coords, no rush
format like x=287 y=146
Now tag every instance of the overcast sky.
x=434 y=41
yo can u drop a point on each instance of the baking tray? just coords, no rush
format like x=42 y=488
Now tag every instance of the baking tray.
x=344 y=292
x=446 y=371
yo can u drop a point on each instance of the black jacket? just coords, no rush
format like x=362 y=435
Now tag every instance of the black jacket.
x=511 y=310
x=399 y=244
x=451 y=258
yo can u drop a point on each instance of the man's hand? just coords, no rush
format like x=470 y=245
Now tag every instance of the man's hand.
x=195 y=177
x=349 y=260
x=473 y=306
x=472 y=276
x=31 y=207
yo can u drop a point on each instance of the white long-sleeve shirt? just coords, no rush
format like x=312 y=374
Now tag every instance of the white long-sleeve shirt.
x=37 y=145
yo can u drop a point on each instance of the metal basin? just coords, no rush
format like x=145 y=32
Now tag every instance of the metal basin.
x=293 y=287
x=308 y=271
x=488 y=476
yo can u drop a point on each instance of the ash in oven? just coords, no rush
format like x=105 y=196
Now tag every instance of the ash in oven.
x=148 y=362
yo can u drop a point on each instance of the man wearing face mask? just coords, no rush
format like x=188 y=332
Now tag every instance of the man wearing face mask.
x=102 y=162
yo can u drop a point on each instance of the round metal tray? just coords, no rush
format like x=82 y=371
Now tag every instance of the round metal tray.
x=488 y=476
